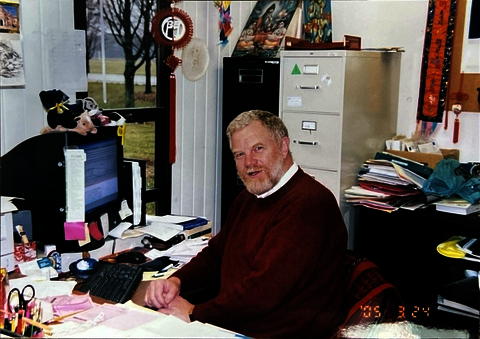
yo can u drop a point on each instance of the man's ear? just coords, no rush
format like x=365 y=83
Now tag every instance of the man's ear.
x=285 y=146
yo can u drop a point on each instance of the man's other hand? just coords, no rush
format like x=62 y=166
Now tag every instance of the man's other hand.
x=161 y=292
x=179 y=308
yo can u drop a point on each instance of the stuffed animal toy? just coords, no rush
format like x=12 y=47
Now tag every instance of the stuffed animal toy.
x=63 y=116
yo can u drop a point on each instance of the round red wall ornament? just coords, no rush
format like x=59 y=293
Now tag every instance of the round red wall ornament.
x=172 y=27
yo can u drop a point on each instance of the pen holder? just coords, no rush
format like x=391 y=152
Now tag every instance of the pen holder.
x=24 y=252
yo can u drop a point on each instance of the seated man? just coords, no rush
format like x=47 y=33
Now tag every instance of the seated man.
x=279 y=258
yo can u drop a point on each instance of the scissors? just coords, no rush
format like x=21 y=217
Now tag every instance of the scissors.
x=22 y=298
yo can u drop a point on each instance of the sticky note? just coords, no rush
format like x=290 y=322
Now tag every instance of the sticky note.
x=94 y=231
x=74 y=230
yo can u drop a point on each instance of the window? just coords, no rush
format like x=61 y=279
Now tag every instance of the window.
x=124 y=76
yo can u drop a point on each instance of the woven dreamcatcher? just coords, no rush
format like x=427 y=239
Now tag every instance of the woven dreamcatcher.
x=172 y=27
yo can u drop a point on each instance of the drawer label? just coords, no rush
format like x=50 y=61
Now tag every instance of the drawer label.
x=294 y=101
x=309 y=125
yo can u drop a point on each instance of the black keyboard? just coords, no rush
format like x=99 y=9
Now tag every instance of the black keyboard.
x=114 y=282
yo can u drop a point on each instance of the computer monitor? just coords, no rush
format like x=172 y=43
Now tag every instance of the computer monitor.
x=35 y=170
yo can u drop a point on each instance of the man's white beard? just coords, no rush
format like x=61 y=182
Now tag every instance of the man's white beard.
x=273 y=176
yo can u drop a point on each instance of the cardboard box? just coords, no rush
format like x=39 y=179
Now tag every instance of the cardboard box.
x=428 y=159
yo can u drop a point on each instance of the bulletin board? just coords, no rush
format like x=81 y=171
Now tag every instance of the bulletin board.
x=462 y=82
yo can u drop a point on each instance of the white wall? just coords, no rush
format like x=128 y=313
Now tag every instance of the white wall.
x=196 y=174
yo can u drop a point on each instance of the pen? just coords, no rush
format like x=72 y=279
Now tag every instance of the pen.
x=166 y=268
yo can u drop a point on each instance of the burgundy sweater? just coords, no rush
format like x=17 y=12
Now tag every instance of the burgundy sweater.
x=280 y=263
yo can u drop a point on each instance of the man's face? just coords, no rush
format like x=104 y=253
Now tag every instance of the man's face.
x=259 y=159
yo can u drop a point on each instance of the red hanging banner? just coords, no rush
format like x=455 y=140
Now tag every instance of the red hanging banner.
x=436 y=60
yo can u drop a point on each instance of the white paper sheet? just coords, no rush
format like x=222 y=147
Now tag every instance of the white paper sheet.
x=75 y=177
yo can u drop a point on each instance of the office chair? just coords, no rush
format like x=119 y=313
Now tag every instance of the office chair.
x=369 y=297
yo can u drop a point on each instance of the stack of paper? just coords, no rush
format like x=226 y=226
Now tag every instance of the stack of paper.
x=385 y=186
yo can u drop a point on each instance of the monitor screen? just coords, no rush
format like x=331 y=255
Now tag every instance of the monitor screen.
x=101 y=174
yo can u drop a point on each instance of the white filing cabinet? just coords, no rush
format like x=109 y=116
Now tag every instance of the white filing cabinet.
x=340 y=107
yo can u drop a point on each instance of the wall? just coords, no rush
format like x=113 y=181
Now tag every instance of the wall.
x=22 y=115
x=196 y=174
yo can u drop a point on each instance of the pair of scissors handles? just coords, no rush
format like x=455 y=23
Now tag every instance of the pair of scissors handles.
x=24 y=297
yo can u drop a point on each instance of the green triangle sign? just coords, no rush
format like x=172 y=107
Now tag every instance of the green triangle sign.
x=296 y=70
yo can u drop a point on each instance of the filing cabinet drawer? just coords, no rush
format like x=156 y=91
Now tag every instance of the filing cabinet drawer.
x=330 y=179
x=313 y=84
x=315 y=139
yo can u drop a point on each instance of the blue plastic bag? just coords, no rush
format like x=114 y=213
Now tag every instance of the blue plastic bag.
x=450 y=178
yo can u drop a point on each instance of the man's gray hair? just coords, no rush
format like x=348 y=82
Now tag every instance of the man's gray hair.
x=272 y=123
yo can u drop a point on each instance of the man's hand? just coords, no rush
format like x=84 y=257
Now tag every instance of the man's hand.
x=179 y=308
x=161 y=292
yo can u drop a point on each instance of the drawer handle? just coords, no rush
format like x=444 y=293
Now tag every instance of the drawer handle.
x=311 y=143
x=308 y=87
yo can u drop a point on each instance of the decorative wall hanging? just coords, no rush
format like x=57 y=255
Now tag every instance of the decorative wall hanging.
x=195 y=59
x=317 y=18
x=225 y=21
x=437 y=53
x=265 y=29
x=172 y=27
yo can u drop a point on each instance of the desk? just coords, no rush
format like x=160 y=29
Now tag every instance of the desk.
x=117 y=321
x=403 y=244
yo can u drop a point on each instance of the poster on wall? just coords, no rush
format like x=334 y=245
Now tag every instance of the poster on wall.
x=11 y=61
x=265 y=29
x=11 y=55
x=317 y=18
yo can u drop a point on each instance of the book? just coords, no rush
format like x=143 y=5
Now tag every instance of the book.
x=463 y=295
x=457 y=206
x=413 y=166
x=452 y=310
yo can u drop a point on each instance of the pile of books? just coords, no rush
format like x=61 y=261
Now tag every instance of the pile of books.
x=386 y=185
x=457 y=206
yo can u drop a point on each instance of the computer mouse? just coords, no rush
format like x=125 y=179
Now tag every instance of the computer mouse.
x=131 y=258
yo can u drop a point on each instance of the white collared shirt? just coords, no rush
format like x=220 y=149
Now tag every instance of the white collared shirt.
x=287 y=176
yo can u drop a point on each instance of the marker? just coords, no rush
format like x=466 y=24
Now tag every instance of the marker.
x=20 y=323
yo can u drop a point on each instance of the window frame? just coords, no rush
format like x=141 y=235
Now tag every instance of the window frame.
x=161 y=193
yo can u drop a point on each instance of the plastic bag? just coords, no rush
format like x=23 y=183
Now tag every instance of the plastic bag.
x=450 y=178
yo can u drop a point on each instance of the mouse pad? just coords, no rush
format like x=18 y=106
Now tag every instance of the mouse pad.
x=158 y=264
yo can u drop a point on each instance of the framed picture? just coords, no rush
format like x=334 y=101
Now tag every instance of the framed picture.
x=317 y=16
x=265 y=28
x=9 y=17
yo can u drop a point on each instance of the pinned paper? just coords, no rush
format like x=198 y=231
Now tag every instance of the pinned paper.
x=296 y=70
x=125 y=211
x=87 y=236
x=74 y=230
x=327 y=79
x=94 y=231
x=105 y=223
